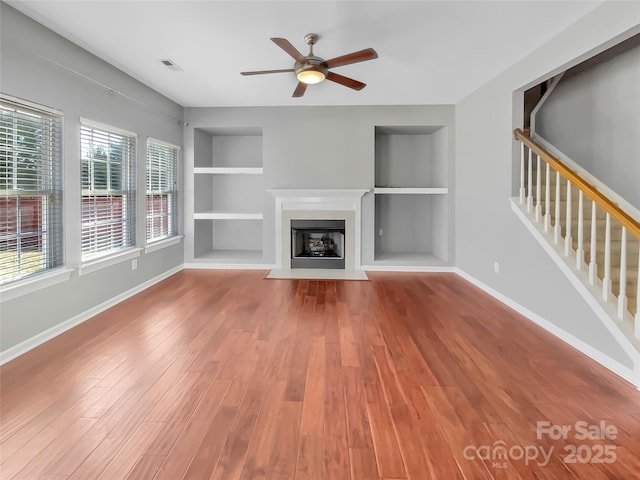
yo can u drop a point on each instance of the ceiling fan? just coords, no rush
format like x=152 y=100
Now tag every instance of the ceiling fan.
x=311 y=69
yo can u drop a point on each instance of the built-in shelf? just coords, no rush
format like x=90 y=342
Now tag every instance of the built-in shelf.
x=228 y=237
x=227 y=216
x=228 y=147
x=228 y=170
x=411 y=196
x=228 y=195
x=411 y=156
x=410 y=191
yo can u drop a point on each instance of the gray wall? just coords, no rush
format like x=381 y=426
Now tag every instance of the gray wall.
x=319 y=147
x=486 y=228
x=594 y=118
x=28 y=51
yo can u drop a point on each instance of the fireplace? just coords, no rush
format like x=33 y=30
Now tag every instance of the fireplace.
x=317 y=243
x=318 y=204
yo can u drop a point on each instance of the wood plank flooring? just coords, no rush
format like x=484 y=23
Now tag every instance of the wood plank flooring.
x=225 y=375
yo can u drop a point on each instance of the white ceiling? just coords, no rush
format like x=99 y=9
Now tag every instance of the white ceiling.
x=430 y=52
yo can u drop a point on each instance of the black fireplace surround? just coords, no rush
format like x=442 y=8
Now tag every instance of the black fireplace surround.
x=317 y=244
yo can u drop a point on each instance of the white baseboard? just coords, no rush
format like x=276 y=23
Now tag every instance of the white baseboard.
x=609 y=363
x=229 y=266
x=407 y=268
x=616 y=367
x=40 y=338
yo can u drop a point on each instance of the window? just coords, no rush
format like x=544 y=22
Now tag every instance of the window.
x=30 y=190
x=108 y=190
x=162 y=192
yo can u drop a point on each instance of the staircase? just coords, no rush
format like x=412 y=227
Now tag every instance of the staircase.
x=596 y=240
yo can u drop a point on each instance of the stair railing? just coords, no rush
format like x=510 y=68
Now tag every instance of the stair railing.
x=616 y=220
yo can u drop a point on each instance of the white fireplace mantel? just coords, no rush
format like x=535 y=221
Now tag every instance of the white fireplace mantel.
x=317 y=200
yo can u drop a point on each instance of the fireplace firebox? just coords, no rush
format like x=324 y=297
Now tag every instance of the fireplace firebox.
x=317 y=244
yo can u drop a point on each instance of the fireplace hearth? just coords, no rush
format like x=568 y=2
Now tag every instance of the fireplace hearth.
x=317 y=243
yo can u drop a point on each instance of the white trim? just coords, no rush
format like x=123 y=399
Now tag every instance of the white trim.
x=411 y=190
x=31 y=284
x=313 y=195
x=104 y=262
x=162 y=142
x=227 y=216
x=616 y=367
x=228 y=266
x=408 y=268
x=40 y=338
x=229 y=170
x=534 y=112
x=164 y=243
x=85 y=122
x=32 y=105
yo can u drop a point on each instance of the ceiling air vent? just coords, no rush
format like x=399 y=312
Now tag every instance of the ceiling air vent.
x=171 y=65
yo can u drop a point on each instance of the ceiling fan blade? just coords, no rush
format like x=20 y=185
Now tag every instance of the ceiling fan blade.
x=284 y=44
x=300 y=89
x=262 y=72
x=354 y=57
x=346 y=81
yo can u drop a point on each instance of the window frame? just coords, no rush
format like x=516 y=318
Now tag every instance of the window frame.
x=95 y=257
x=50 y=189
x=172 y=194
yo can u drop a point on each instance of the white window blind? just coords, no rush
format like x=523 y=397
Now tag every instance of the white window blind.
x=162 y=190
x=108 y=190
x=30 y=190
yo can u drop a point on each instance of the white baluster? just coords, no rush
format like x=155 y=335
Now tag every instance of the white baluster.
x=580 y=250
x=530 y=184
x=593 y=266
x=557 y=229
x=637 y=318
x=567 y=236
x=622 y=294
x=547 y=200
x=538 y=190
x=522 y=169
x=606 y=280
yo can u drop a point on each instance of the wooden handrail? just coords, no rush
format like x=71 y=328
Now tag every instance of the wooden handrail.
x=632 y=225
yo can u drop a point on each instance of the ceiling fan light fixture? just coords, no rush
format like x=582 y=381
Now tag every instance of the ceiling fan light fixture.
x=311 y=71
x=310 y=76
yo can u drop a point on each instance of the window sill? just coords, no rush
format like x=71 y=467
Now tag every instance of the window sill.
x=100 y=263
x=164 y=243
x=32 y=284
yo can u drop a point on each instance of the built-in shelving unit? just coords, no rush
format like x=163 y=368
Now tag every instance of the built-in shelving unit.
x=228 y=195
x=411 y=196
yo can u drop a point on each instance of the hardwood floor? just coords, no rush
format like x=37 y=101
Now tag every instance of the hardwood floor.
x=226 y=375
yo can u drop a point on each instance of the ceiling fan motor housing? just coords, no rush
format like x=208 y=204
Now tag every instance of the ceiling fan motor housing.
x=313 y=63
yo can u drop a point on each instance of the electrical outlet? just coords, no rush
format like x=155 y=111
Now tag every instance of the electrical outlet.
x=496 y=267
x=380 y=232
x=134 y=264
